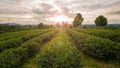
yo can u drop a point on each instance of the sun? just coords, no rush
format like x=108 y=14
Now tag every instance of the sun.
x=28 y=16
x=60 y=18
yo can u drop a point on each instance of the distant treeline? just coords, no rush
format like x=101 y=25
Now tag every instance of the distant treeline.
x=12 y=28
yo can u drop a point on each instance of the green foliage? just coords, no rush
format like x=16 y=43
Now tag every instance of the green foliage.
x=15 y=42
x=96 y=46
x=113 y=35
x=10 y=43
x=13 y=28
x=17 y=47
x=77 y=20
x=14 y=57
x=10 y=35
x=101 y=21
x=7 y=36
x=41 y=25
x=59 y=53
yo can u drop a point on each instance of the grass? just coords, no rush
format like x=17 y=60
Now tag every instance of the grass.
x=90 y=62
x=61 y=52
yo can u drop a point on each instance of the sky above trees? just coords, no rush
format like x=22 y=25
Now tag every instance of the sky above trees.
x=48 y=11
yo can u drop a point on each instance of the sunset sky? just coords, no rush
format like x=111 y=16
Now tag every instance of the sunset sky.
x=51 y=11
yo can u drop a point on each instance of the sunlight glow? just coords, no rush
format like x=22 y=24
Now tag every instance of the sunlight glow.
x=60 y=18
x=28 y=16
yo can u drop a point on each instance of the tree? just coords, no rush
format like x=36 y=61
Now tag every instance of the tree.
x=64 y=24
x=101 y=21
x=41 y=25
x=58 y=25
x=78 y=20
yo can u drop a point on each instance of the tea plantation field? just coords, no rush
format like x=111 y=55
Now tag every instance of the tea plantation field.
x=61 y=48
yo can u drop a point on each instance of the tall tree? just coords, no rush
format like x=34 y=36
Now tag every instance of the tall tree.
x=78 y=20
x=101 y=21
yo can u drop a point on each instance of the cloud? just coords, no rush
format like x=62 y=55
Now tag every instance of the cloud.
x=12 y=7
x=39 y=11
x=115 y=13
x=10 y=1
x=11 y=11
x=46 y=6
x=92 y=5
x=67 y=12
x=43 y=9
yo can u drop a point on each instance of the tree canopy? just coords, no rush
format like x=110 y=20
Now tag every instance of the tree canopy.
x=41 y=25
x=78 y=20
x=101 y=21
